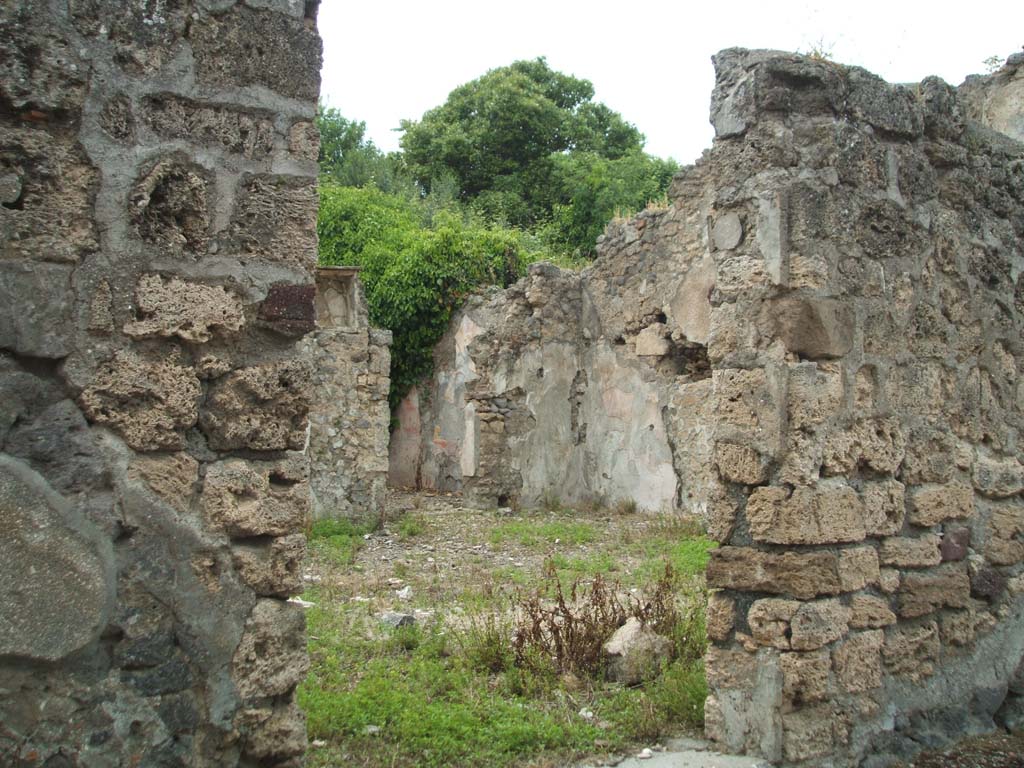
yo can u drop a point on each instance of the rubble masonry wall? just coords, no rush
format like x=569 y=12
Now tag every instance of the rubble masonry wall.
x=158 y=219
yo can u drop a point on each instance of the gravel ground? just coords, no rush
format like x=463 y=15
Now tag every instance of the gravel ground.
x=1001 y=750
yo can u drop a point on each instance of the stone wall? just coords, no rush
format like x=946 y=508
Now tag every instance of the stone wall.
x=349 y=415
x=571 y=387
x=867 y=401
x=822 y=335
x=157 y=211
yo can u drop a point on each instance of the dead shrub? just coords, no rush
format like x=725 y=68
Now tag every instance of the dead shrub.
x=566 y=634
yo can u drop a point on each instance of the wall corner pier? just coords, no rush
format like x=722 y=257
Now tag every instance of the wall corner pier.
x=865 y=343
x=158 y=219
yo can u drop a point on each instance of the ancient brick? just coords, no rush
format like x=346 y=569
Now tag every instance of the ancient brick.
x=246 y=498
x=818 y=623
x=275 y=219
x=721 y=617
x=878 y=443
x=1005 y=532
x=271 y=657
x=806 y=515
x=868 y=611
x=258 y=48
x=769 y=621
x=884 y=508
x=249 y=133
x=858 y=661
x=190 y=311
x=906 y=552
x=149 y=404
x=805 y=677
x=922 y=592
x=802 y=575
x=931 y=506
x=274 y=567
x=912 y=651
x=289 y=309
x=858 y=568
x=263 y=408
x=998 y=478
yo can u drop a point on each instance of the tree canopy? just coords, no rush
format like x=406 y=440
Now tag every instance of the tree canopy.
x=499 y=134
x=516 y=166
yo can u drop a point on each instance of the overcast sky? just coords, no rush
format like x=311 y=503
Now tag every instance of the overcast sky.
x=650 y=61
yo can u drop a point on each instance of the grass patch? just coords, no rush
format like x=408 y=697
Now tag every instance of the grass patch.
x=534 y=533
x=337 y=541
x=411 y=525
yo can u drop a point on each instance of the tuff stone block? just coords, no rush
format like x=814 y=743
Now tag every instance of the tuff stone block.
x=148 y=404
x=263 y=408
x=802 y=575
x=245 y=498
x=823 y=515
x=922 y=592
x=931 y=506
x=190 y=311
x=271 y=658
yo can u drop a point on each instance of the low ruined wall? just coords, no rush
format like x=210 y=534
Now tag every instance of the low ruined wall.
x=570 y=387
x=867 y=401
x=349 y=415
x=157 y=211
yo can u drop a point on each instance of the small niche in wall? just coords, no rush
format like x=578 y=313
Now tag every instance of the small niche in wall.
x=336 y=298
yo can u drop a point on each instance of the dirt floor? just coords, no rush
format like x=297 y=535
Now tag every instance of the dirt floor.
x=446 y=565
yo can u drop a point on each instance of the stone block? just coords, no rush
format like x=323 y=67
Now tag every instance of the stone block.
x=50 y=219
x=890 y=108
x=858 y=568
x=955 y=544
x=870 y=612
x=262 y=408
x=931 y=506
x=289 y=309
x=249 y=133
x=271 y=657
x=740 y=464
x=769 y=621
x=191 y=311
x=822 y=515
x=747 y=404
x=819 y=623
x=1005 y=534
x=248 y=498
x=36 y=308
x=721 y=616
x=987 y=583
x=727 y=231
x=957 y=627
x=911 y=652
x=247 y=47
x=730 y=670
x=805 y=677
x=653 y=341
x=272 y=734
x=884 y=507
x=858 y=661
x=998 y=478
x=275 y=219
x=807 y=733
x=173 y=477
x=802 y=575
x=813 y=328
x=907 y=552
x=149 y=404
x=170 y=206
x=920 y=593
x=272 y=568
x=877 y=443
x=304 y=140
x=814 y=393
x=56 y=571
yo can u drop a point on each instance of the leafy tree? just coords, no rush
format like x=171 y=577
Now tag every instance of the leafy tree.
x=498 y=135
x=595 y=188
x=348 y=158
x=414 y=276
